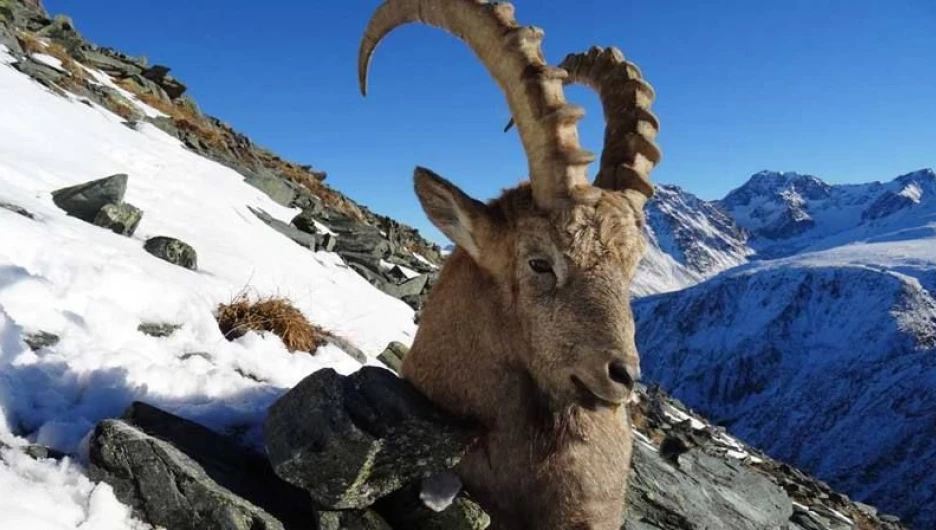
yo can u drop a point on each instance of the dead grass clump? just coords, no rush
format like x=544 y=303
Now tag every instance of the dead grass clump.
x=274 y=314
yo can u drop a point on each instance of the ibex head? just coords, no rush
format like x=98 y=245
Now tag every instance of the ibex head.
x=558 y=253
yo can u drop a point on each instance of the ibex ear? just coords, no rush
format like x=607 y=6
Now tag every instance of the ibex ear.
x=457 y=215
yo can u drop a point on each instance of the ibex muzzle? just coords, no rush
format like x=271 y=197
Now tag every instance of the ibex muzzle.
x=528 y=330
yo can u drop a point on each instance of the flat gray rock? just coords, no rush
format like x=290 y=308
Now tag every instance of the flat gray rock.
x=85 y=200
x=164 y=486
x=704 y=492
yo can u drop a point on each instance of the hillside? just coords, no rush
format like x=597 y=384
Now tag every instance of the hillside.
x=94 y=318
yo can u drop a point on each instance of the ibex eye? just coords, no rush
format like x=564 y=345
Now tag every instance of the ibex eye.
x=540 y=266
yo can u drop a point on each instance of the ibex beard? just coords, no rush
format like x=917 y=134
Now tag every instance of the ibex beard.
x=528 y=330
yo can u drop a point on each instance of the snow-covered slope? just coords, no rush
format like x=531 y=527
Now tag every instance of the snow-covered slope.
x=93 y=288
x=689 y=240
x=826 y=360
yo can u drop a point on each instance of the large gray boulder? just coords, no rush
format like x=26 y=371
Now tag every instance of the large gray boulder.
x=351 y=440
x=178 y=474
x=172 y=250
x=85 y=200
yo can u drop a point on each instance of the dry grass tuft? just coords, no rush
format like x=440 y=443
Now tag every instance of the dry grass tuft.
x=275 y=314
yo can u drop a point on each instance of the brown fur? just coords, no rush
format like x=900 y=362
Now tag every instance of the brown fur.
x=501 y=344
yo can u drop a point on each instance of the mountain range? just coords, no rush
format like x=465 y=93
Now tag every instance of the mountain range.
x=803 y=318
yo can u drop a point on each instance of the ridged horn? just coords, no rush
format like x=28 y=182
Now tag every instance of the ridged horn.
x=514 y=58
x=630 y=152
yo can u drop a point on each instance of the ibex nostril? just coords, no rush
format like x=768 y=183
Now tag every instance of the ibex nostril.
x=619 y=373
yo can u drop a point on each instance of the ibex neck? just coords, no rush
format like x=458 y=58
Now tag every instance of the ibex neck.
x=466 y=343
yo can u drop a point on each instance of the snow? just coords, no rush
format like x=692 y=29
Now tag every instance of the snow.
x=913 y=192
x=93 y=288
x=42 y=495
x=423 y=259
x=48 y=60
x=409 y=273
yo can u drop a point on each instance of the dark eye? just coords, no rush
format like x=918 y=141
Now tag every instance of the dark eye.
x=540 y=266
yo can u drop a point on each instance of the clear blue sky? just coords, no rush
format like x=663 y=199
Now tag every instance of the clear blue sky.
x=844 y=89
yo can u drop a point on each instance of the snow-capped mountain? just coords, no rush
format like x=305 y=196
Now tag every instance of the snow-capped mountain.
x=788 y=213
x=689 y=239
x=826 y=358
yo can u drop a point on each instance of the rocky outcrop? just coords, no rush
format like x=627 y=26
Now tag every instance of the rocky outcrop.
x=172 y=250
x=373 y=447
x=388 y=254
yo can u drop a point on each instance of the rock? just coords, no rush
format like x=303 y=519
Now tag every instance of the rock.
x=304 y=239
x=327 y=242
x=62 y=30
x=363 y=240
x=172 y=250
x=280 y=190
x=704 y=492
x=344 y=345
x=84 y=201
x=404 y=509
x=352 y=520
x=393 y=355
x=160 y=75
x=179 y=474
x=109 y=64
x=164 y=486
x=866 y=509
x=41 y=452
x=158 y=330
x=307 y=202
x=40 y=339
x=412 y=287
x=122 y=218
x=44 y=74
x=6 y=34
x=351 y=440
x=305 y=221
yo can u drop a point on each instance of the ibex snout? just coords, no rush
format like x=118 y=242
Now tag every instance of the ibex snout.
x=605 y=382
x=623 y=374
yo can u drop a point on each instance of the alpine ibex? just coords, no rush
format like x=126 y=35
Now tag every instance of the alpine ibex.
x=529 y=330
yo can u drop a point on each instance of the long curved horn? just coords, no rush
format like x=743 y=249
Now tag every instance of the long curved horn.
x=514 y=58
x=629 y=152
